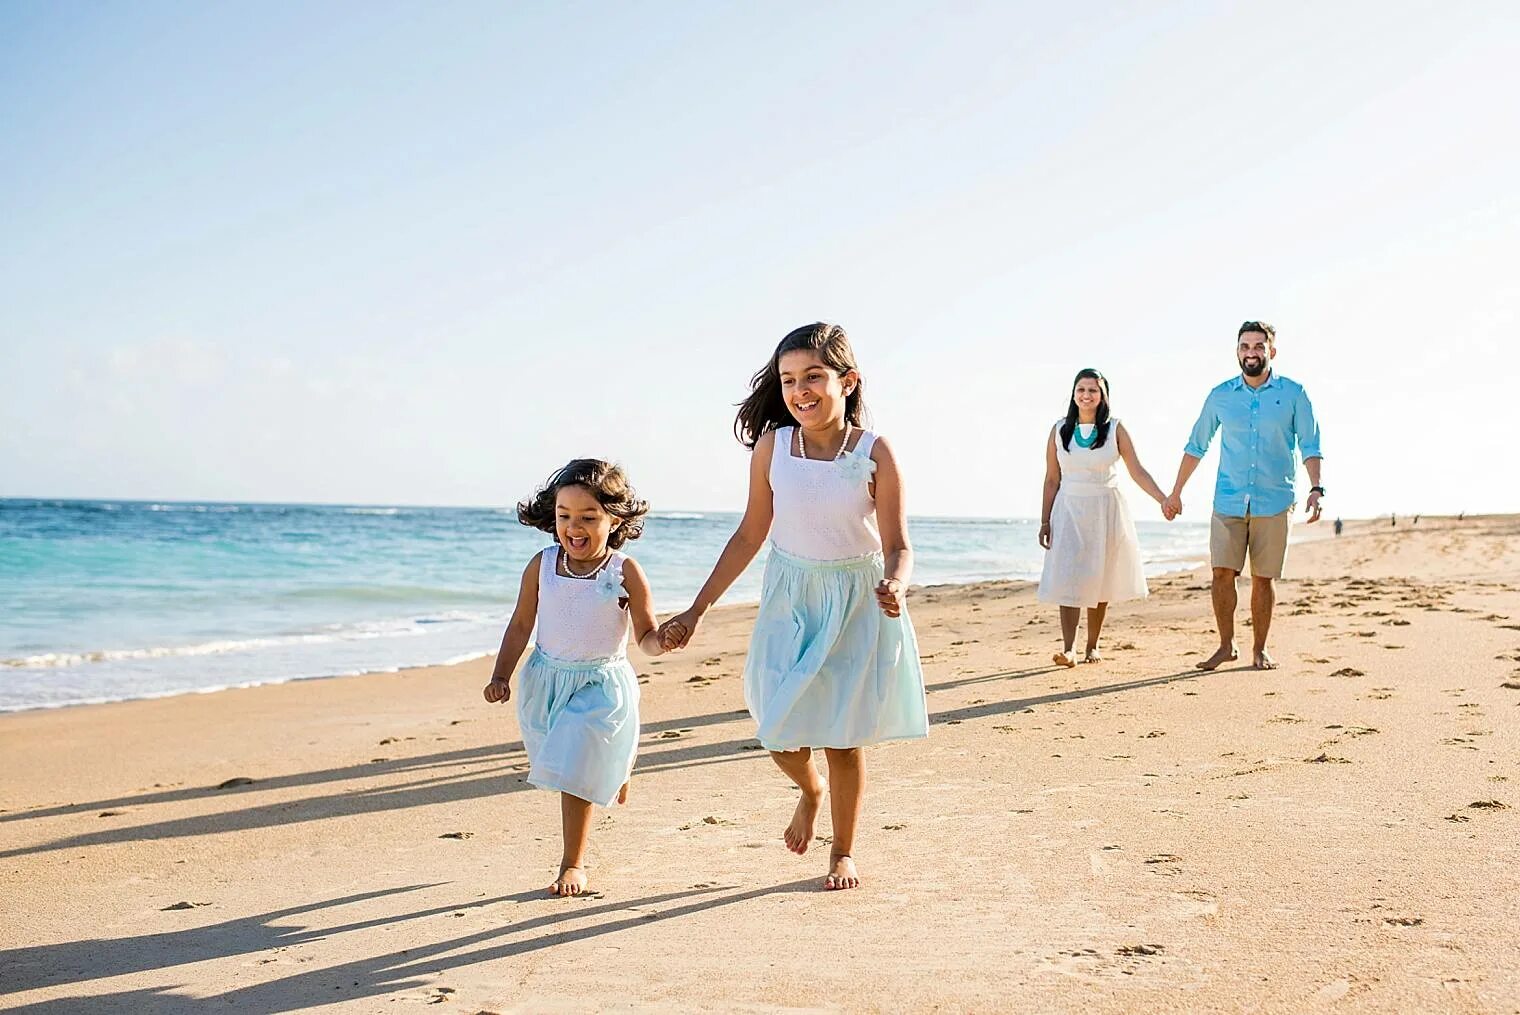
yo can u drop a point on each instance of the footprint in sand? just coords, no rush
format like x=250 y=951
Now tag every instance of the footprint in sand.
x=110 y=814
x=1326 y=759
x=457 y=835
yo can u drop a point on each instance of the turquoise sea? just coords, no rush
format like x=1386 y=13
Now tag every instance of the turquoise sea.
x=107 y=600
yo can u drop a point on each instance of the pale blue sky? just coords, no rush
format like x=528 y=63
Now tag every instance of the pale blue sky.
x=424 y=253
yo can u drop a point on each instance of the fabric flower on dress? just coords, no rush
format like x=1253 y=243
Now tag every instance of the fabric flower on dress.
x=858 y=467
x=609 y=583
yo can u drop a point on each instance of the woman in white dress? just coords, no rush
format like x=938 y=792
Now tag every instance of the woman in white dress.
x=1092 y=553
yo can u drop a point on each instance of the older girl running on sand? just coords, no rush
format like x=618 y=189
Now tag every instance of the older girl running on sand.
x=579 y=703
x=833 y=661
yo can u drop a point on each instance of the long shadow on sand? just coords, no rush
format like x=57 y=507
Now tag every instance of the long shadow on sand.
x=412 y=968
x=504 y=771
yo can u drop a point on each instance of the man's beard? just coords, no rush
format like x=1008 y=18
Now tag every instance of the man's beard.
x=1254 y=368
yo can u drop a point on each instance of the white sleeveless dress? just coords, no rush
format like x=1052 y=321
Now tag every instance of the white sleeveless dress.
x=1094 y=554
x=826 y=668
x=578 y=698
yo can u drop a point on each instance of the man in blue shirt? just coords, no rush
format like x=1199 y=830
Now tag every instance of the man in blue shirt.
x=1263 y=415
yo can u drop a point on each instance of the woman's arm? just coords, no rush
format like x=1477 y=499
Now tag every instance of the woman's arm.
x=641 y=608
x=1136 y=470
x=519 y=630
x=892 y=520
x=741 y=549
x=1052 y=484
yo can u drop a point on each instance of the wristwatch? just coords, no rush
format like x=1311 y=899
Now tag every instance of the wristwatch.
x=1317 y=489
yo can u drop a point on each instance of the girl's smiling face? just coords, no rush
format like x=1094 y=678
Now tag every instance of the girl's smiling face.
x=814 y=392
x=581 y=524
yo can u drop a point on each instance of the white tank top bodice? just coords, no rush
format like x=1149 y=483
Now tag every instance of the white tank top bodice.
x=1088 y=470
x=579 y=618
x=823 y=510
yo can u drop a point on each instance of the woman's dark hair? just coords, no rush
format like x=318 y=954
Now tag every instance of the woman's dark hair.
x=608 y=483
x=1070 y=426
x=765 y=408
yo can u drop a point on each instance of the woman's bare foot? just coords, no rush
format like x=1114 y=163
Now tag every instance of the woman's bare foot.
x=842 y=873
x=1261 y=661
x=1093 y=655
x=799 y=834
x=571 y=881
x=1064 y=659
x=1226 y=654
x=623 y=794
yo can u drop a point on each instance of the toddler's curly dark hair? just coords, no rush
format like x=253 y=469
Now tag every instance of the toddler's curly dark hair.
x=608 y=483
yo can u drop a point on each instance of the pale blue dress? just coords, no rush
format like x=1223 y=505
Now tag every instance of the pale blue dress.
x=578 y=698
x=826 y=668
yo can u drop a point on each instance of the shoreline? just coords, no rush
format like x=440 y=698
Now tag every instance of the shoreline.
x=1342 y=831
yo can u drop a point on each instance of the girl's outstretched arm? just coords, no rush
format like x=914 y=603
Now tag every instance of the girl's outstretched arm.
x=641 y=608
x=519 y=630
x=741 y=549
x=892 y=520
x=1136 y=470
x=1052 y=485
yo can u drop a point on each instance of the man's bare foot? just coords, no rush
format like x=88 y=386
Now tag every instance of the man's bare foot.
x=842 y=873
x=571 y=881
x=1261 y=661
x=799 y=834
x=1064 y=659
x=623 y=794
x=1226 y=654
x=1093 y=655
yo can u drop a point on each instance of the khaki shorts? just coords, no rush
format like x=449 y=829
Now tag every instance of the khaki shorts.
x=1265 y=537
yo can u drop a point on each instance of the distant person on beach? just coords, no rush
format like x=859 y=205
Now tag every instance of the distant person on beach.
x=833 y=660
x=1264 y=416
x=1092 y=552
x=1338 y=526
x=578 y=700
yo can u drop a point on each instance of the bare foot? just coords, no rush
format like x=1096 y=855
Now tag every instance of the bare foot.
x=623 y=794
x=1226 y=654
x=1093 y=655
x=842 y=874
x=799 y=833
x=1064 y=659
x=571 y=881
x=1261 y=661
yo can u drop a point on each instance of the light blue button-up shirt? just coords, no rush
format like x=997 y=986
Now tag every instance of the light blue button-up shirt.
x=1261 y=426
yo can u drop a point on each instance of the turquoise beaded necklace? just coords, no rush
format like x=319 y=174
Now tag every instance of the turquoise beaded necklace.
x=1085 y=442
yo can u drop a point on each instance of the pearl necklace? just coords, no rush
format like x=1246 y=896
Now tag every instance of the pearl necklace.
x=564 y=563
x=849 y=428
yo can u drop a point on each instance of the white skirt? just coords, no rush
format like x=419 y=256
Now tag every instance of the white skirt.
x=1094 y=554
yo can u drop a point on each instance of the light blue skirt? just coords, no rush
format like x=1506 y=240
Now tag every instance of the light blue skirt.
x=826 y=667
x=580 y=724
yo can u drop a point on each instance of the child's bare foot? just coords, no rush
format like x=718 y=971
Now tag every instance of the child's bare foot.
x=1261 y=661
x=571 y=881
x=1093 y=655
x=799 y=833
x=842 y=873
x=1226 y=654
x=623 y=794
x=1064 y=659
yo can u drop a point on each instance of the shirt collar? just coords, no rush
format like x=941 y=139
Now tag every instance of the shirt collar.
x=1240 y=381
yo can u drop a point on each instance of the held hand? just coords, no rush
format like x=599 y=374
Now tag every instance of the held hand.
x=1171 y=507
x=1044 y=535
x=498 y=690
x=889 y=596
x=676 y=632
x=1312 y=506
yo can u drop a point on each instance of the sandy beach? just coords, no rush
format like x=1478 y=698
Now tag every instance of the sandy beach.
x=1342 y=833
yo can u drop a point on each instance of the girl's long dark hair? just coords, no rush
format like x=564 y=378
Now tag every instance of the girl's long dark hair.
x=1070 y=426
x=608 y=483
x=765 y=408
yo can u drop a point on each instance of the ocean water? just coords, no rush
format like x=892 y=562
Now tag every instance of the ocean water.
x=109 y=600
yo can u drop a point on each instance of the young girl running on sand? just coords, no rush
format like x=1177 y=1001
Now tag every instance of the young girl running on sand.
x=833 y=662
x=578 y=702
